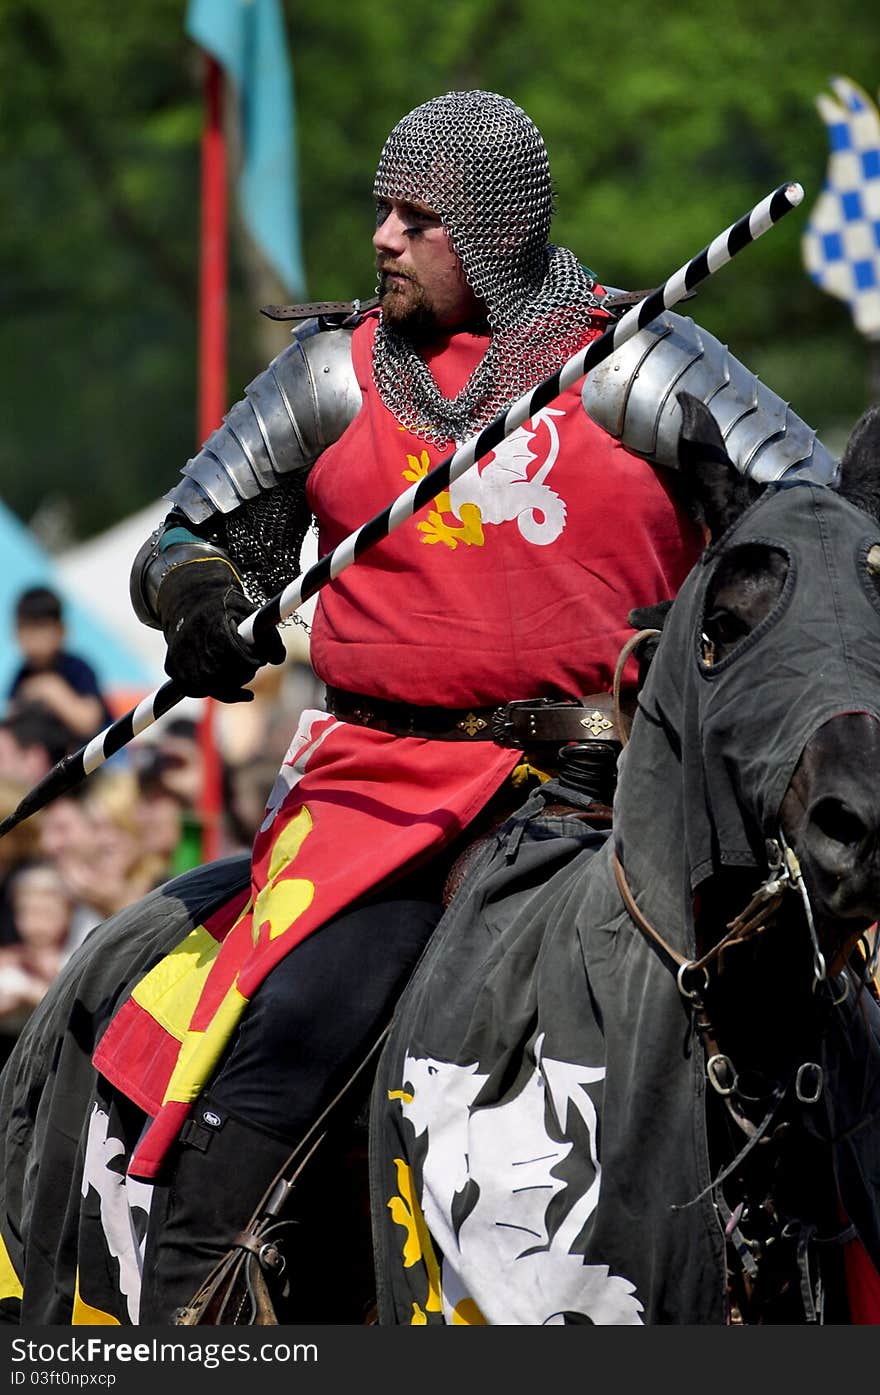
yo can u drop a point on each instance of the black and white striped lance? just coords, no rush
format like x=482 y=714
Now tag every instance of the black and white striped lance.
x=73 y=768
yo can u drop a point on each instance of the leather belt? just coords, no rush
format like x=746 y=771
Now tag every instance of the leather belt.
x=521 y=723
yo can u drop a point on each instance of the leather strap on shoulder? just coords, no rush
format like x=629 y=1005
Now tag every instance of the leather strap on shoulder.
x=312 y=309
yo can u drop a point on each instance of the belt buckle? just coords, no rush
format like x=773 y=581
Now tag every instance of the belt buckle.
x=503 y=725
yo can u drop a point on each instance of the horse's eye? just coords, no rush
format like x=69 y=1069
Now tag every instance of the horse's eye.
x=722 y=631
x=744 y=590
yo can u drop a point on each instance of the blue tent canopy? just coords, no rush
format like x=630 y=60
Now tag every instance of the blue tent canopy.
x=25 y=563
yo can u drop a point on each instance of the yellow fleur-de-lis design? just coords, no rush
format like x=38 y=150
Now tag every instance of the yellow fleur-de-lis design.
x=283 y=899
x=419 y=466
x=435 y=529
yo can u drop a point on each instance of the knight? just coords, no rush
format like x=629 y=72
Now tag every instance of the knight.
x=462 y=658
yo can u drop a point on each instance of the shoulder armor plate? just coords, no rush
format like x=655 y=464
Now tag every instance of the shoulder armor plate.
x=633 y=396
x=289 y=414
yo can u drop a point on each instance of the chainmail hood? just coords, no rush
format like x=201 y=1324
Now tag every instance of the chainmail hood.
x=479 y=162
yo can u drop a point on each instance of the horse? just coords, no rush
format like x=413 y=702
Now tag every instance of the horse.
x=598 y=1101
x=634 y=1078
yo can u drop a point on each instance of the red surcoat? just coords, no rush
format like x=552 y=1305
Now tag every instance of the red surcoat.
x=515 y=583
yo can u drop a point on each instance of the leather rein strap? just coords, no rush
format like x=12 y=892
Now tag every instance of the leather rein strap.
x=750 y=921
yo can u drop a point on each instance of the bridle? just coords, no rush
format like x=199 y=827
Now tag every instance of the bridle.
x=693 y=978
x=784 y=874
x=808 y=1079
x=757 y=1115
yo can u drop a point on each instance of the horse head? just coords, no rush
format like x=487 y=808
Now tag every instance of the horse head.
x=775 y=710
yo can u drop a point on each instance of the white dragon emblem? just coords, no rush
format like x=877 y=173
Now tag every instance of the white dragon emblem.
x=119 y=1196
x=503 y=489
x=502 y=1255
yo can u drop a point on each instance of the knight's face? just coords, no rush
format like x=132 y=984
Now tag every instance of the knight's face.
x=422 y=286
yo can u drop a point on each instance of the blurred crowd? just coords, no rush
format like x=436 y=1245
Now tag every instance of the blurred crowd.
x=134 y=823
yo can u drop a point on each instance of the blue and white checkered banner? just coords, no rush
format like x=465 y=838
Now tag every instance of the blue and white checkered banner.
x=841 y=243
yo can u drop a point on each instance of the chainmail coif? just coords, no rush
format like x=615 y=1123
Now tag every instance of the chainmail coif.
x=479 y=162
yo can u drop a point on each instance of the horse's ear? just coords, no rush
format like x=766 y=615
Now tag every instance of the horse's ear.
x=647 y=617
x=715 y=491
x=860 y=466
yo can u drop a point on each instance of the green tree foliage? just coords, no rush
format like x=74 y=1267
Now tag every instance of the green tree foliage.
x=664 y=123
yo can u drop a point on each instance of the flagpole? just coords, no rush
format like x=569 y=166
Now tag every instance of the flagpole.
x=213 y=260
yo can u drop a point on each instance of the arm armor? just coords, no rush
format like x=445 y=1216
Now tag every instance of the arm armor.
x=242 y=498
x=295 y=408
x=632 y=395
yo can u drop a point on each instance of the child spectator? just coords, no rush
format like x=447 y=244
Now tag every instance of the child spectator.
x=60 y=681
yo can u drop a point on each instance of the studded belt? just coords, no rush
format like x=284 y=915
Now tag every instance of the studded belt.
x=524 y=722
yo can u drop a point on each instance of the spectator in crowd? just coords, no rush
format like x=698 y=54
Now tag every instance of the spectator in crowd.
x=19 y=847
x=180 y=759
x=65 y=840
x=114 y=869
x=50 y=675
x=246 y=788
x=169 y=825
x=32 y=740
x=42 y=909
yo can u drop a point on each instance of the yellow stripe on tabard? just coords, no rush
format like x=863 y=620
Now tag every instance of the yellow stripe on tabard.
x=10 y=1283
x=201 y=1051
x=170 y=991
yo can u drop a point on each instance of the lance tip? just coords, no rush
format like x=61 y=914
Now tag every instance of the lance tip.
x=794 y=193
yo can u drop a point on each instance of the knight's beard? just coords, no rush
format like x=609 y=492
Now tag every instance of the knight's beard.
x=410 y=314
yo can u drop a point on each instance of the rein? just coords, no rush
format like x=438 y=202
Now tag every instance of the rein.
x=752 y=920
x=624 y=723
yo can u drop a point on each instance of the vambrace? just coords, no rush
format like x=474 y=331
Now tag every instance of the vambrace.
x=168 y=547
x=289 y=414
x=633 y=396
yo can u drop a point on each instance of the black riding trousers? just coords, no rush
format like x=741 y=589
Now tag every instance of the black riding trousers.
x=317 y=1013
x=309 y=1025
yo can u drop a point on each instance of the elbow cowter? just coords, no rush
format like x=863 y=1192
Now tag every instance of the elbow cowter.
x=247 y=483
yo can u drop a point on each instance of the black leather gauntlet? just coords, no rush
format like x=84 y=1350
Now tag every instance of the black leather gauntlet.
x=201 y=604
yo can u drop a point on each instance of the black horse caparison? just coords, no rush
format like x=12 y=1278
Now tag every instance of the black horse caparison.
x=635 y=1077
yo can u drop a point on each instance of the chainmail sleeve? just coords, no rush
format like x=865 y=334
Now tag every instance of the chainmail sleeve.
x=264 y=537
